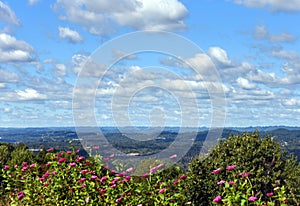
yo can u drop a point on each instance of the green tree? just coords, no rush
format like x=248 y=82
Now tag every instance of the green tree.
x=269 y=166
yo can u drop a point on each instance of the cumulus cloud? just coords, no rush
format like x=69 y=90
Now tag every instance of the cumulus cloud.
x=272 y=5
x=7 y=15
x=8 y=76
x=29 y=94
x=71 y=35
x=100 y=16
x=13 y=50
x=219 y=55
x=60 y=70
x=245 y=84
x=262 y=33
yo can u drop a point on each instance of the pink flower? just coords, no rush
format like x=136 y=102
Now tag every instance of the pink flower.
x=173 y=156
x=182 y=177
x=21 y=195
x=96 y=147
x=231 y=167
x=252 y=198
x=61 y=160
x=113 y=186
x=48 y=164
x=112 y=155
x=217 y=171
x=25 y=164
x=162 y=190
x=104 y=178
x=60 y=154
x=83 y=171
x=246 y=174
x=72 y=164
x=77 y=151
x=24 y=168
x=6 y=167
x=270 y=194
x=46 y=174
x=80 y=158
x=81 y=179
x=218 y=199
x=54 y=173
x=93 y=177
x=231 y=182
x=121 y=174
x=129 y=169
x=41 y=179
x=221 y=182
x=83 y=185
x=32 y=165
x=154 y=169
x=46 y=184
x=176 y=181
x=106 y=159
x=118 y=200
x=50 y=149
x=69 y=152
x=145 y=175
x=128 y=178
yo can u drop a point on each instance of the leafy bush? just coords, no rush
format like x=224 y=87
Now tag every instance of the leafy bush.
x=262 y=158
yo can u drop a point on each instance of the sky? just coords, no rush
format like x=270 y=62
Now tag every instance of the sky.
x=56 y=70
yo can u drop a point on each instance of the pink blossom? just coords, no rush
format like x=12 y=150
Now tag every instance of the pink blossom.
x=121 y=174
x=106 y=159
x=54 y=173
x=93 y=177
x=32 y=165
x=81 y=179
x=246 y=174
x=128 y=178
x=25 y=164
x=217 y=199
x=118 y=200
x=83 y=171
x=46 y=174
x=130 y=169
x=50 y=149
x=80 y=158
x=6 y=167
x=60 y=154
x=112 y=155
x=162 y=190
x=69 y=152
x=231 y=182
x=252 y=198
x=46 y=184
x=77 y=151
x=182 y=177
x=145 y=175
x=176 y=181
x=221 y=182
x=72 y=164
x=24 y=168
x=154 y=169
x=173 y=156
x=61 y=160
x=270 y=194
x=21 y=195
x=83 y=185
x=217 y=171
x=231 y=167
x=113 y=186
x=41 y=179
x=48 y=164
x=104 y=178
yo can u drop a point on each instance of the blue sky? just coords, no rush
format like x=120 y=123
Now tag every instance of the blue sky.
x=44 y=46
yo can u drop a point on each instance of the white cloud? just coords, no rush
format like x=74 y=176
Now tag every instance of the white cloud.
x=7 y=15
x=60 y=70
x=2 y=85
x=13 y=50
x=245 y=84
x=124 y=55
x=29 y=94
x=100 y=16
x=33 y=2
x=273 y=5
x=71 y=35
x=8 y=76
x=220 y=55
x=262 y=33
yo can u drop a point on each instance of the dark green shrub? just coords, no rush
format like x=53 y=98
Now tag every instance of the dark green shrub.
x=263 y=158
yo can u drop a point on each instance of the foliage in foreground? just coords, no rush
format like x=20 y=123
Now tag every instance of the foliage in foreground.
x=262 y=172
